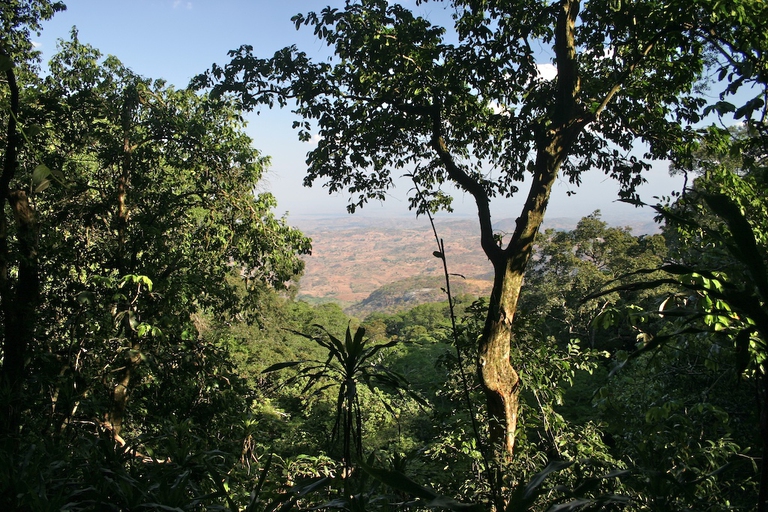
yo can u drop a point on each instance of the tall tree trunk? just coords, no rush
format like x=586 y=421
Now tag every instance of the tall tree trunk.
x=18 y=307
x=20 y=312
x=556 y=135
x=500 y=380
x=120 y=391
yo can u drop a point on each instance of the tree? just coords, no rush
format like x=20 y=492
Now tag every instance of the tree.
x=716 y=280
x=19 y=273
x=718 y=225
x=685 y=424
x=349 y=363
x=569 y=265
x=718 y=228
x=470 y=108
x=147 y=212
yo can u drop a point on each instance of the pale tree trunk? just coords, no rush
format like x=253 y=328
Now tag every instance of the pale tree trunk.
x=500 y=380
x=498 y=376
x=120 y=392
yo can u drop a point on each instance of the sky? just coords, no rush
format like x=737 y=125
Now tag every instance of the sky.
x=178 y=39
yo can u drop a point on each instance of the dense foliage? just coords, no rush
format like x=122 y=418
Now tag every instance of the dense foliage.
x=154 y=356
x=467 y=106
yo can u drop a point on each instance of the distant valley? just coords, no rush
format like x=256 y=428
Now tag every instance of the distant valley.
x=375 y=264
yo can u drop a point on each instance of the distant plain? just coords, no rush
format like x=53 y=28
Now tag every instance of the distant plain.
x=354 y=256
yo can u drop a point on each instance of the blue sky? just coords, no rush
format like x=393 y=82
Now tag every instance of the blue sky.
x=177 y=39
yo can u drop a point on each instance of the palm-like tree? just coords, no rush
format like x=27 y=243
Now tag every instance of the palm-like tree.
x=349 y=363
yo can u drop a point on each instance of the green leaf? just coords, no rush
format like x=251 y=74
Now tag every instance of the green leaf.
x=85 y=297
x=571 y=505
x=40 y=174
x=42 y=186
x=748 y=108
x=32 y=130
x=146 y=281
x=533 y=488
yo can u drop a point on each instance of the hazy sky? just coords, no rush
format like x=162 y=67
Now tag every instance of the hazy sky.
x=177 y=39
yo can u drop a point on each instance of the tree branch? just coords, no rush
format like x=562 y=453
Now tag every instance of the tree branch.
x=469 y=184
x=568 y=82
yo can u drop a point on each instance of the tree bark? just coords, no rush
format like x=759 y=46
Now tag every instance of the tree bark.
x=499 y=378
x=120 y=392
x=19 y=312
x=18 y=306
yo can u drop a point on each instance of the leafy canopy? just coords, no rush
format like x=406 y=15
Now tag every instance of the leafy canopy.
x=398 y=83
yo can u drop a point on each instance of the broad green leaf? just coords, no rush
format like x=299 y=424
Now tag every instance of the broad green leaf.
x=402 y=483
x=40 y=174
x=533 y=487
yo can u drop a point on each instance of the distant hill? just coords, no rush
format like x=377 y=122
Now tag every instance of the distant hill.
x=377 y=264
x=407 y=293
